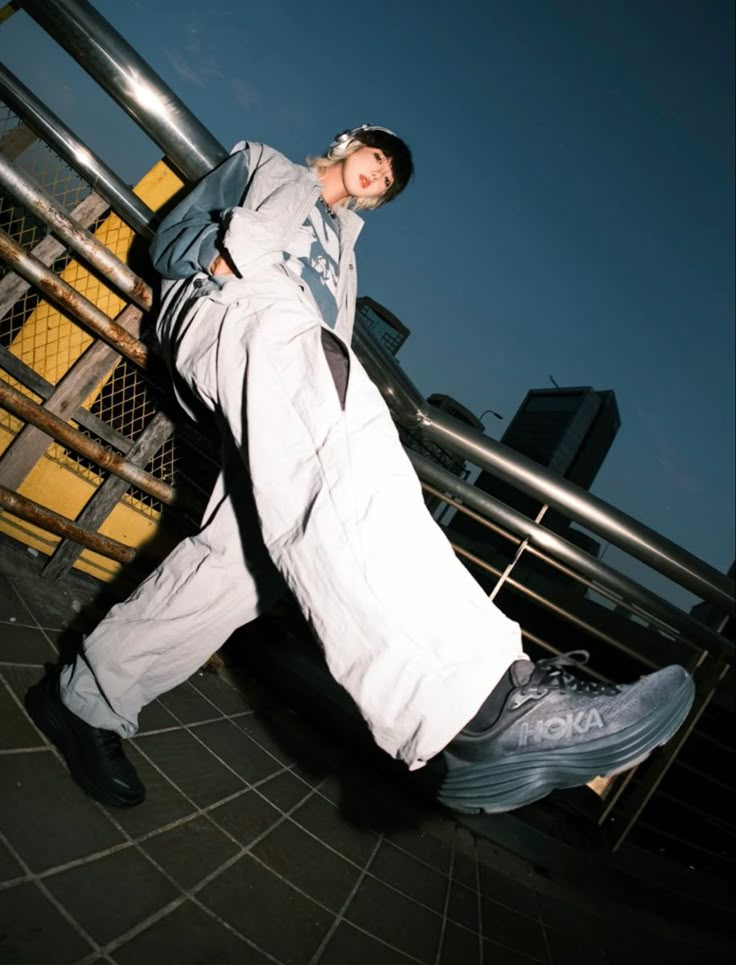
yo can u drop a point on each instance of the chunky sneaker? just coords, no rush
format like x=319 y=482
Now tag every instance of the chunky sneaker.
x=557 y=731
x=94 y=756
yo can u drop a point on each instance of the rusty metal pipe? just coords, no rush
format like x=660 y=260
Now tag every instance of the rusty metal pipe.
x=69 y=300
x=74 y=235
x=23 y=407
x=52 y=522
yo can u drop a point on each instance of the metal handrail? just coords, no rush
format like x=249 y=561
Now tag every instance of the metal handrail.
x=593 y=570
x=643 y=543
x=194 y=151
x=77 y=155
x=129 y=80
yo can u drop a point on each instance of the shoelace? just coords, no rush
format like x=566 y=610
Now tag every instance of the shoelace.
x=550 y=672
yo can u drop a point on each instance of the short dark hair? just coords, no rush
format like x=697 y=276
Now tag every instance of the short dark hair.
x=398 y=153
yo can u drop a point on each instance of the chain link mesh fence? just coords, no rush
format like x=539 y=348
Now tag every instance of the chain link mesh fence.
x=49 y=342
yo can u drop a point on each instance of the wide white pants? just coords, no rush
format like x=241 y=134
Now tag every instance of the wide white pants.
x=318 y=496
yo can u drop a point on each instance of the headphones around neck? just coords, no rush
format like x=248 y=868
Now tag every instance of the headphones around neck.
x=344 y=136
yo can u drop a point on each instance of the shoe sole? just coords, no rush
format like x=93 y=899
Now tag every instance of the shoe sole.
x=521 y=779
x=48 y=723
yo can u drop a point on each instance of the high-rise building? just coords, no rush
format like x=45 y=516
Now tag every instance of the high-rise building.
x=568 y=430
x=382 y=324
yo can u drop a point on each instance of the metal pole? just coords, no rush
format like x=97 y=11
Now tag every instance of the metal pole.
x=129 y=80
x=48 y=249
x=69 y=300
x=52 y=522
x=413 y=411
x=76 y=154
x=79 y=239
x=547 y=542
x=403 y=398
x=52 y=425
x=605 y=520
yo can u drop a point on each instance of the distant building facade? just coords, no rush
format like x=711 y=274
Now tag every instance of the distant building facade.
x=382 y=324
x=568 y=430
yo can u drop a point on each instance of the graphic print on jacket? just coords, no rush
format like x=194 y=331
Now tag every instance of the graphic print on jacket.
x=314 y=254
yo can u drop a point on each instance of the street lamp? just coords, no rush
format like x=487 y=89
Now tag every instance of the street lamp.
x=491 y=412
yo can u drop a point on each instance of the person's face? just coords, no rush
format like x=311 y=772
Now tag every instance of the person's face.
x=366 y=173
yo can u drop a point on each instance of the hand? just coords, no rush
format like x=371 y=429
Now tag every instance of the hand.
x=220 y=267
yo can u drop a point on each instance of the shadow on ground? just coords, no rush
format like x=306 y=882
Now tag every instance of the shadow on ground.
x=273 y=831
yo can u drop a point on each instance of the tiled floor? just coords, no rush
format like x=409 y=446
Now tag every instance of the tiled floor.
x=244 y=852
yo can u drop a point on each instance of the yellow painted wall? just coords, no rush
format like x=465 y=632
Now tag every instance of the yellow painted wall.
x=50 y=344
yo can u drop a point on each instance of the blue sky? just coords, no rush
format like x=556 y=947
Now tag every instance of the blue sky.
x=572 y=213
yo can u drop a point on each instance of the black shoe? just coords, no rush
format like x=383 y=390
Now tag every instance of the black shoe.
x=557 y=731
x=94 y=756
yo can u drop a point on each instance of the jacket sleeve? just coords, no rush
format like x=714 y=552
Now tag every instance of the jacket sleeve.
x=186 y=240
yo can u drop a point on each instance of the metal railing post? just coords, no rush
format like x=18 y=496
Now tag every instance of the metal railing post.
x=69 y=300
x=132 y=84
x=77 y=155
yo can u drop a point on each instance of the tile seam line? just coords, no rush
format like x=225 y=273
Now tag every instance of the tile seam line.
x=31 y=626
x=134 y=839
x=285 y=816
x=340 y=918
x=35 y=625
x=393 y=843
x=219 y=802
x=51 y=898
x=184 y=894
x=181 y=725
x=200 y=810
x=218 y=675
x=131 y=840
x=372 y=875
x=363 y=869
x=443 y=928
x=190 y=681
x=479 y=902
x=189 y=729
x=12 y=664
x=340 y=915
x=288 y=815
x=20 y=596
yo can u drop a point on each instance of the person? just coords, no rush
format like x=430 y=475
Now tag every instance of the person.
x=317 y=494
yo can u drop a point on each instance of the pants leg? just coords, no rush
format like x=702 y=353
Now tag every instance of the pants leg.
x=405 y=628
x=207 y=587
